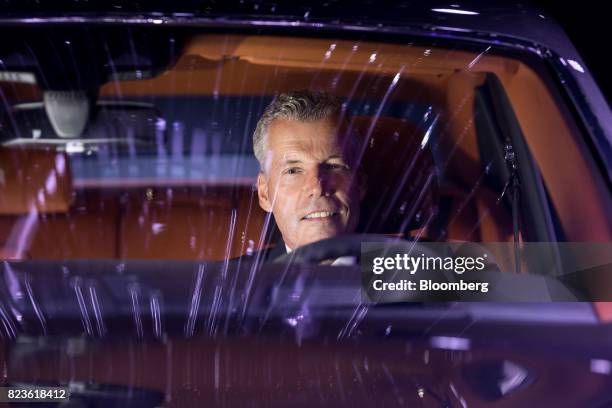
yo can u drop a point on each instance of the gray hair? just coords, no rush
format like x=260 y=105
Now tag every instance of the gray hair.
x=303 y=106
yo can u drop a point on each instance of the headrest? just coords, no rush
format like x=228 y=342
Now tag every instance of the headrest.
x=401 y=186
x=34 y=179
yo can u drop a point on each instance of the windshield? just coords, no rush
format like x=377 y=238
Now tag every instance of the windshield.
x=162 y=164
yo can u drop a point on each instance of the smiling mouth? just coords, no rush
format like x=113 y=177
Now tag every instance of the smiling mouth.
x=320 y=215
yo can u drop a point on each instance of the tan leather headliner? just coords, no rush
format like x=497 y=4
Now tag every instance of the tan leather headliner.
x=264 y=65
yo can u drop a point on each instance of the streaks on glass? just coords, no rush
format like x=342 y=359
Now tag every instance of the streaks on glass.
x=35 y=306
x=9 y=329
x=351 y=326
x=95 y=305
x=429 y=130
x=156 y=313
x=76 y=283
x=228 y=246
x=478 y=57
x=194 y=306
x=135 y=294
x=457 y=395
x=210 y=327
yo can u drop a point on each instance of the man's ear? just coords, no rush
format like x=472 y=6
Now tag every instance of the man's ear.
x=262 y=192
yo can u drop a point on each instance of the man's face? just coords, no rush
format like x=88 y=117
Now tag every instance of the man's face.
x=309 y=181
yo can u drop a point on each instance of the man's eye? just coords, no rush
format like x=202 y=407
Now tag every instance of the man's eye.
x=338 y=166
x=293 y=170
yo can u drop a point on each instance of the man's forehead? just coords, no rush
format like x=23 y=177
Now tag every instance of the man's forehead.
x=299 y=151
x=296 y=136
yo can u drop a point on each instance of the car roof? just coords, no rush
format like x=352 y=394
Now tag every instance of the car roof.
x=509 y=18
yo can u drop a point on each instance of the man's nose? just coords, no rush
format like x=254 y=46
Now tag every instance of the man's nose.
x=318 y=183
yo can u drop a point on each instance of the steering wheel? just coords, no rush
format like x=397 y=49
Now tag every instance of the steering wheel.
x=348 y=245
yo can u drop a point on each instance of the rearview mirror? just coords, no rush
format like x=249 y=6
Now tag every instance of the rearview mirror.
x=129 y=123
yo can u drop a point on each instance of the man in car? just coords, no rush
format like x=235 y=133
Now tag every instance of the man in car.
x=309 y=178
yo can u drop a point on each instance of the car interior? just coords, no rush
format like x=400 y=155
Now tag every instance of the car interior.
x=177 y=182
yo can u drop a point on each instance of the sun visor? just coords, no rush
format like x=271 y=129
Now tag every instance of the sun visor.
x=31 y=179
